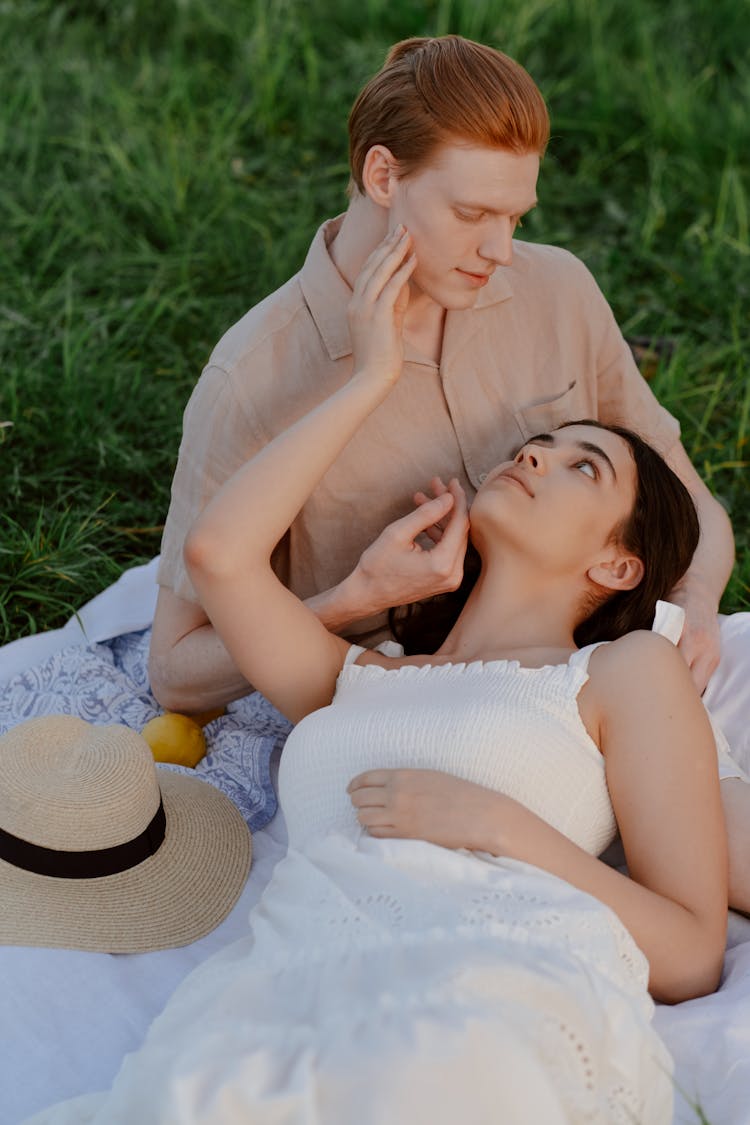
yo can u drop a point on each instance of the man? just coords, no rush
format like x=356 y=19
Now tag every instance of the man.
x=503 y=339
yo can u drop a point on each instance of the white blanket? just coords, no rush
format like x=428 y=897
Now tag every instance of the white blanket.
x=68 y=1018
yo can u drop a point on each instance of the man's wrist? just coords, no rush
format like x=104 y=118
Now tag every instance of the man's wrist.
x=693 y=587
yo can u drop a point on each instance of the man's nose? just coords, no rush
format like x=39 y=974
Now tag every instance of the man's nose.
x=498 y=242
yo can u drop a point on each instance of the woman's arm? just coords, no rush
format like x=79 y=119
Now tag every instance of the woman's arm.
x=662 y=776
x=278 y=644
x=190 y=668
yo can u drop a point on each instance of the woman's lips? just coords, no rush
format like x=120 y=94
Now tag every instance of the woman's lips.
x=517 y=478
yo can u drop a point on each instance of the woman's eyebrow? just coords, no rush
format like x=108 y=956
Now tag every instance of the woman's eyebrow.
x=590 y=447
x=586 y=446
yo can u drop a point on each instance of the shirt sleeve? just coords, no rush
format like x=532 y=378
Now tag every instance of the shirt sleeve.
x=218 y=436
x=624 y=396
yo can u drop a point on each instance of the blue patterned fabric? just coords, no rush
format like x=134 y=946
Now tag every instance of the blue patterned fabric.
x=108 y=683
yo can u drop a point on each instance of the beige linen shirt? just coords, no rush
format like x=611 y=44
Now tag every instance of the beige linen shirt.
x=539 y=347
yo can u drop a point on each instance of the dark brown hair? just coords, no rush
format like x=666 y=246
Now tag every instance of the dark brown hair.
x=662 y=530
x=433 y=91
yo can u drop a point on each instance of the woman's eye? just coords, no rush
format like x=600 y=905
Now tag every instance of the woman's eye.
x=470 y=217
x=588 y=468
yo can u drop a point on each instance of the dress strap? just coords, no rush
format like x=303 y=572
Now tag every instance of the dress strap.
x=669 y=620
x=388 y=648
x=580 y=659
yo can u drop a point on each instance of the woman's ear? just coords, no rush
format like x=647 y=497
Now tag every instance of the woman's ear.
x=623 y=572
x=379 y=175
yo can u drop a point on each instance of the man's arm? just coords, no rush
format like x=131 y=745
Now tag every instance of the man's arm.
x=189 y=668
x=624 y=397
x=699 y=591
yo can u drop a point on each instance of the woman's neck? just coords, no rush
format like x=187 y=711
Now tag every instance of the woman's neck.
x=508 y=614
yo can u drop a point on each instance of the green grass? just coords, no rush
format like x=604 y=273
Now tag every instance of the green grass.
x=165 y=165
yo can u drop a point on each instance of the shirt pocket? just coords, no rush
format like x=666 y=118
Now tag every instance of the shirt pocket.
x=546 y=413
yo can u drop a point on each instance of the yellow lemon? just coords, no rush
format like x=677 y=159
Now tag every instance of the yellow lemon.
x=175 y=738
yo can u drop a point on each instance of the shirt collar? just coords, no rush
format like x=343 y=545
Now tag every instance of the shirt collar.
x=327 y=293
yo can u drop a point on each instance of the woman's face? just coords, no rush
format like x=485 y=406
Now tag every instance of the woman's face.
x=560 y=499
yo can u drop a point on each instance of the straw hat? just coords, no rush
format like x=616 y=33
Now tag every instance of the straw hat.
x=98 y=851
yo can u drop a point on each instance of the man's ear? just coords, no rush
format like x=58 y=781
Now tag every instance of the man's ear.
x=623 y=572
x=379 y=175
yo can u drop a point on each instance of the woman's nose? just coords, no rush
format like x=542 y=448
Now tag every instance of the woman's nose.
x=532 y=458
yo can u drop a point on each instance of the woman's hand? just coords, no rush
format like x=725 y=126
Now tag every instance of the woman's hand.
x=426 y=805
x=397 y=570
x=378 y=306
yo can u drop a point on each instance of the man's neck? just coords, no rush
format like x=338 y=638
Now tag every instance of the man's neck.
x=364 y=227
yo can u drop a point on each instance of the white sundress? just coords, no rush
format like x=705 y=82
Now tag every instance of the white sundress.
x=395 y=982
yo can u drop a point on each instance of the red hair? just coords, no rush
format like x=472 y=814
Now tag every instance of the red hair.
x=430 y=92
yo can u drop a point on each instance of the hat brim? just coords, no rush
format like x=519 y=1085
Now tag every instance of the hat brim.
x=172 y=898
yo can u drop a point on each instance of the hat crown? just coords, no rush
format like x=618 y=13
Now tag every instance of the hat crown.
x=71 y=786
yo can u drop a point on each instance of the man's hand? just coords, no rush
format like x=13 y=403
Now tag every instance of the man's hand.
x=396 y=569
x=700 y=641
x=425 y=805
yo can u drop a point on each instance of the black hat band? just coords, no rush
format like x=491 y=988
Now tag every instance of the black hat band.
x=85 y=865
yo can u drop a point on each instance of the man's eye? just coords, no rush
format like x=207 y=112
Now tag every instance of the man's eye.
x=470 y=216
x=587 y=467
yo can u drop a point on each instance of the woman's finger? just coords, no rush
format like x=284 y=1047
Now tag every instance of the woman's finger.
x=380 y=252
x=435 y=531
x=369 y=777
x=424 y=517
x=376 y=822
x=396 y=286
x=369 y=797
x=456 y=530
x=372 y=280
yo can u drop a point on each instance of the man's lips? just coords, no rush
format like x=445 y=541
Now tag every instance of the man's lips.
x=476 y=278
x=517 y=478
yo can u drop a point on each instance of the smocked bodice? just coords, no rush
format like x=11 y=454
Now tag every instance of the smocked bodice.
x=512 y=729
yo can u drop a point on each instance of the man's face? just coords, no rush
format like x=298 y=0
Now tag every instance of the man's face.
x=461 y=212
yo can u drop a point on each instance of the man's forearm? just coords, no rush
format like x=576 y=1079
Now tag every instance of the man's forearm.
x=699 y=591
x=714 y=558
x=196 y=673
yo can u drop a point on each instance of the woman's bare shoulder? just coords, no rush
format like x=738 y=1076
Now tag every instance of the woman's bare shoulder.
x=639 y=661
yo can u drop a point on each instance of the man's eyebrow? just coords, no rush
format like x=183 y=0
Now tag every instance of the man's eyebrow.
x=470 y=206
x=586 y=446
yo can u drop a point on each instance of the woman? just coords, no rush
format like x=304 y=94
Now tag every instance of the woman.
x=441 y=942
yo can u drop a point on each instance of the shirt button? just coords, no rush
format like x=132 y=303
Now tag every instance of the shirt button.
x=482 y=478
